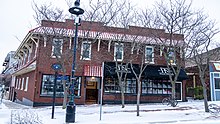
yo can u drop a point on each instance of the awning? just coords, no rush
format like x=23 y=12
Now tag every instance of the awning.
x=151 y=72
x=95 y=71
x=161 y=72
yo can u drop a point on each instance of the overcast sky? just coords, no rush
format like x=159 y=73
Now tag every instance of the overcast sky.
x=17 y=19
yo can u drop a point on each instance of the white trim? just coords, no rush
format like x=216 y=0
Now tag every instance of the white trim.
x=99 y=42
x=22 y=84
x=26 y=84
x=109 y=45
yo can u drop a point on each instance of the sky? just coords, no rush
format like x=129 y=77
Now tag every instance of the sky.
x=191 y=112
x=17 y=19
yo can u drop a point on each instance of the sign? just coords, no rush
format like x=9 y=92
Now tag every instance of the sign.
x=56 y=66
x=165 y=71
x=217 y=66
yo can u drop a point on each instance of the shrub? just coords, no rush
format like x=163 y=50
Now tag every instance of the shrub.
x=24 y=117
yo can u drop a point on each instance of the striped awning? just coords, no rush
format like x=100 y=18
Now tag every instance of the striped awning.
x=100 y=35
x=93 y=71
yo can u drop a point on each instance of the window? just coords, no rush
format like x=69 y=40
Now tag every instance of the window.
x=77 y=88
x=217 y=83
x=48 y=84
x=57 y=47
x=156 y=87
x=19 y=84
x=118 y=51
x=26 y=84
x=171 y=56
x=130 y=86
x=149 y=54
x=16 y=85
x=111 y=86
x=86 y=50
x=22 y=84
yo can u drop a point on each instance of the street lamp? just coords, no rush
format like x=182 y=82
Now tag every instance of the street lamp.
x=71 y=108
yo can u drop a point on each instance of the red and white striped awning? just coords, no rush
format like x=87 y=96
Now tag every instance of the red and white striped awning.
x=93 y=71
x=98 y=35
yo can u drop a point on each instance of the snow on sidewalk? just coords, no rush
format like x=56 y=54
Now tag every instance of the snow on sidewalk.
x=184 y=113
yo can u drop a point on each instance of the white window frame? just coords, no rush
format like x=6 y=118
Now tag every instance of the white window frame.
x=82 y=57
x=115 y=51
x=19 y=84
x=16 y=85
x=61 y=47
x=22 y=84
x=146 y=61
x=26 y=84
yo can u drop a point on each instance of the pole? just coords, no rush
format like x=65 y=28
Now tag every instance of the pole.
x=71 y=108
x=100 y=118
x=54 y=94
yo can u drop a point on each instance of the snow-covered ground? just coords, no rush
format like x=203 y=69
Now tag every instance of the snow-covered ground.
x=184 y=113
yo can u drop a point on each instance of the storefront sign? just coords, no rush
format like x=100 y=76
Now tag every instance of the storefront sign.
x=164 y=71
x=217 y=66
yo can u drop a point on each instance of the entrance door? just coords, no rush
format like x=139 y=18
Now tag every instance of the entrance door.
x=178 y=89
x=91 y=92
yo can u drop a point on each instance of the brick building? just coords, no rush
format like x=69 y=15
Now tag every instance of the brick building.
x=97 y=47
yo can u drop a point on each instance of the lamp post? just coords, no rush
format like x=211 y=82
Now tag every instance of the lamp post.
x=71 y=108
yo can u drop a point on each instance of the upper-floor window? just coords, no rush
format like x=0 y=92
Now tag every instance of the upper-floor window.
x=86 y=50
x=118 y=51
x=171 y=57
x=57 y=47
x=149 y=54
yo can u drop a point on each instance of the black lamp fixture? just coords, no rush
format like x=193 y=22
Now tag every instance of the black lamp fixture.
x=76 y=10
x=71 y=108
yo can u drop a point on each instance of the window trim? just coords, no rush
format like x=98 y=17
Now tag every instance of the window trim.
x=26 y=84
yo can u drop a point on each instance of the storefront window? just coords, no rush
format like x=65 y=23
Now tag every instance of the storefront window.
x=48 y=83
x=156 y=87
x=130 y=86
x=111 y=85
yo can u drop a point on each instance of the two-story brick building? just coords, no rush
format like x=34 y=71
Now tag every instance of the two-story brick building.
x=97 y=47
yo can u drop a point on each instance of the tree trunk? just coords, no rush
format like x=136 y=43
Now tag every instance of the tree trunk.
x=205 y=95
x=65 y=94
x=122 y=95
x=173 y=92
x=138 y=98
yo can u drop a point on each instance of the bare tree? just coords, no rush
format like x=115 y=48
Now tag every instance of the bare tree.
x=179 y=20
x=201 y=54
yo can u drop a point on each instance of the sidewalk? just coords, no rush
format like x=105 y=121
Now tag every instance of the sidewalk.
x=13 y=105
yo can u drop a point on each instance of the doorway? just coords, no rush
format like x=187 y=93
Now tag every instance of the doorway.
x=178 y=89
x=92 y=90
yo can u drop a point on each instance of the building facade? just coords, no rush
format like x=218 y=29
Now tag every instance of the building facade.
x=100 y=50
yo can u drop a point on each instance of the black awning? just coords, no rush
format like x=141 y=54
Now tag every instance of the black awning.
x=161 y=72
x=151 y=72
